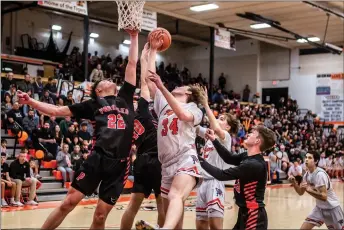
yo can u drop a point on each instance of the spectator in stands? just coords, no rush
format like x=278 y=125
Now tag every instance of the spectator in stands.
x=222 y=81
x=246 y=94
x=6 y=106
x=20 y=173
x=13 y=93
x=69 y=136
x=83 y=134
x=57 y=135
x=52 y=123
x=60 y=101
x=34 y=170
x=6 y=182
x=97 y=74
x=69 y=100
x=218 y=97
x=64 y=163
x=64 y=124
x=274 y=166
x=7 y=82
x=77 y=157
x=46 y=97
x=3 y=145
x=295 y=171
x=38 y=88
x=26 y=85
x=29 y=125
x=46 y=138
x=15 y=115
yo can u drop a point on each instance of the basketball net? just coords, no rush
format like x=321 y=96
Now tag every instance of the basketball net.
x=130 y=14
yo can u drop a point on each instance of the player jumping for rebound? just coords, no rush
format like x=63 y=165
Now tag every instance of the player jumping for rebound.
x=250 y=175
x=178 y=117
x=211 y=193
x=318 y=184
x=108 y=164
x=147 y=168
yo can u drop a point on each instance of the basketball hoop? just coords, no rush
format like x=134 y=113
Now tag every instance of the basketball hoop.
x=130 y=14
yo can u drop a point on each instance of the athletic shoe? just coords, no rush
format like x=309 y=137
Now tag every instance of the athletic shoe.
x=143 y=225
x=18 y=203
x=31 y=202
x=3 y=203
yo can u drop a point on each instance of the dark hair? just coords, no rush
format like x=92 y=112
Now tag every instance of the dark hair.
x=3 y=141
x=316 y=156
x=268 y=137
x=93 y=90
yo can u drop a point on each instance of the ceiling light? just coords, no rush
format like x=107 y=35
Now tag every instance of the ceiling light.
x=94 y=35
x=301 y=40
x=204 y=7
x=313 y=39
x=127 y=42
x=56 y=27
x=260 y=26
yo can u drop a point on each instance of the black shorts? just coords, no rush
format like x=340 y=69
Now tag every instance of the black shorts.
x=112 y=173
x=147 y=175
x=251 y=219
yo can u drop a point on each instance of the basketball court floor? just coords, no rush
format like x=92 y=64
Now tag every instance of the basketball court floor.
x=286 y=210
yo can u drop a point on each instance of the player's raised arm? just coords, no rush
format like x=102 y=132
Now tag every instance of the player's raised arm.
x=144 y=73
x=45 y=108
x=130 y=71
x=153 y=49
x=182 y=114
x=214 y=124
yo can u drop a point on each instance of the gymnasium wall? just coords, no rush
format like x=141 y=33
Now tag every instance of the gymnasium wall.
x=37 y=24
x=303 y=71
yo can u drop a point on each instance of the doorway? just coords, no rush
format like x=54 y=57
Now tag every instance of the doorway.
x=273 y=95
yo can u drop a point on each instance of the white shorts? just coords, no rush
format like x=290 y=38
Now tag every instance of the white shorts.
x=187 y=164
x=210 y=199
x=333 y=218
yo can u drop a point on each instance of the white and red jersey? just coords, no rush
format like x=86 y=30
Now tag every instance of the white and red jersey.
x=210 y=154
x=175 y=137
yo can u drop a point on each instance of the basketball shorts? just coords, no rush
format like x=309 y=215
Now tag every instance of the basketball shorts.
x=251 y=219
x=147 y=175
x=188 y=164
x=333 y=218
x=111 y=173
x=210 y=199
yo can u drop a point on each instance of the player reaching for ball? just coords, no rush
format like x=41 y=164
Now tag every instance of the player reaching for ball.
x=178 y=117
x=147 y=168
x=250 y=175
x=211 y=193
x=108 y=164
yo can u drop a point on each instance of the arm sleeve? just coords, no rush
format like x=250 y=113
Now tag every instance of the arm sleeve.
x=226 y=155
x=227 y=174
x=159 y=102
x=83 y=110
x=127 y=92
x=59 y=157
x=321 y=180
x=143 y=107
x=197 y=114
x=202 y=131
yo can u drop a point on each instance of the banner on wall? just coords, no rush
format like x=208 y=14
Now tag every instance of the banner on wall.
x=224 y=39
x=330 y=89
x=78 y=7
x=149 y=20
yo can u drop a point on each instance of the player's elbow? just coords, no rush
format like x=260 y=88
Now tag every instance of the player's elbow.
x=324 y=197
x=184 y=116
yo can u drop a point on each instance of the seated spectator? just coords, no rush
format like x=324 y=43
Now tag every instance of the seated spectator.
x=14 y=115
x=6 y=182
x=34 y=169
x=97 y=74
x=20 y=173
x=46 y=97
x=3 y=146
x=274 y=169
x=64 y=124
x=69 y=100
x=57 y=135
x=29 y=125
x=45 y=137
x=322 y=161
x=69 y=135
x=64 y=163
x=83 y=134
x=7 y=82
x=85 y=147
x=52 y=123
x=295 y=172
x=77 y=158
x=12 y=93
x=38 y=88
x=26 y=84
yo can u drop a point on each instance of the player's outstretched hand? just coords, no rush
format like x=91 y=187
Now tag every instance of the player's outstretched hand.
x=132 y=33
x=156 y=41
x=155 y=78
x=144 y=54
x=291 y=179
x=24 y=98
x=203 y=95
x=210 y=134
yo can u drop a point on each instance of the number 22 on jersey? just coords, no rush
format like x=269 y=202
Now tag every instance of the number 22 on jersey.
x=173 y=126
x=115 y=121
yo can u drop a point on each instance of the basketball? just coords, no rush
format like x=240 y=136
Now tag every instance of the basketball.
x=166 y=37
x=39 y=154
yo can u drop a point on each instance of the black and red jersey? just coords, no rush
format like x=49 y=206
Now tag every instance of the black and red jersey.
x=113 y=120
x=250 y=175
x=145 y=130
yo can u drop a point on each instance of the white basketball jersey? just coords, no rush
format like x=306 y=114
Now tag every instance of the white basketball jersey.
x=317 y=179
x=175 y=137
x=210 y=154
